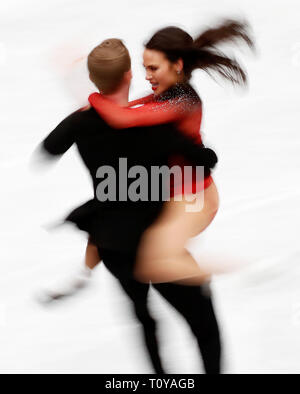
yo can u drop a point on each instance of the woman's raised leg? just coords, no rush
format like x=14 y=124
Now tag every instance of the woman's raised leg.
x=162 y=256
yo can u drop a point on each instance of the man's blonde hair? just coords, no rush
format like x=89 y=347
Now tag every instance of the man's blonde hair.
x=107 y=64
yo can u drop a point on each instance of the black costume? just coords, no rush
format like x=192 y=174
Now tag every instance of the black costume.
x=116 y=226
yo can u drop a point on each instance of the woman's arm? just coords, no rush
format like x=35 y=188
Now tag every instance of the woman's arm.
x=148 y=115
x=141 y=101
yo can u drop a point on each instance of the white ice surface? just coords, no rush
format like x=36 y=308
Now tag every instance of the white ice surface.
x=256 y=134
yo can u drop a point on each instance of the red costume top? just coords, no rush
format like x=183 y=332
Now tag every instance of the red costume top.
x=180 y=105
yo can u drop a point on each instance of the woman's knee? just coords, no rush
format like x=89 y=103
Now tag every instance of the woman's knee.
x=155 y=270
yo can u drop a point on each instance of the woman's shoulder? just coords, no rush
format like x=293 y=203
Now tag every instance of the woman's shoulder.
x=182 y=93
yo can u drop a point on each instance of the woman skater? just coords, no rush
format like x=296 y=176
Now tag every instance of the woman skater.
x=83 y=215
x=170 y=56
x=116 y=226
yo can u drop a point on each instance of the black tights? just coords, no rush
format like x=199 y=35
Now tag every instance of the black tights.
x=189 y=301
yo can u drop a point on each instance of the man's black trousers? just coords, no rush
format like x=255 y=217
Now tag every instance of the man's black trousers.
x=190 y=301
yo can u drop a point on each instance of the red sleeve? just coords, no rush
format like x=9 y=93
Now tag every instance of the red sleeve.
x=148 y=115
x=141 y=101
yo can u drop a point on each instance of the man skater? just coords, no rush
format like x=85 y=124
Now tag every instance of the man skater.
x=115 y=226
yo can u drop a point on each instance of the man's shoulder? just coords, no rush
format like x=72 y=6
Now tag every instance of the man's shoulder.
x=86 y=108
x=83 y=117
x=81 y=113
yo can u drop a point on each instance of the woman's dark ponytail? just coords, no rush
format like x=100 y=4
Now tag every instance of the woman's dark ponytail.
x=210 y=58
x=228 y=31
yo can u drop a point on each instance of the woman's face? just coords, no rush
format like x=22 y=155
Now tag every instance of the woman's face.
x=160 y=72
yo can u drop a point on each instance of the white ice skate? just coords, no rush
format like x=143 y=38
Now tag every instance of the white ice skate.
x=71 y=287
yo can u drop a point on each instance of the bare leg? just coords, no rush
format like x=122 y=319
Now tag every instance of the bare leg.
x=92 y=258
x=162 y=256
